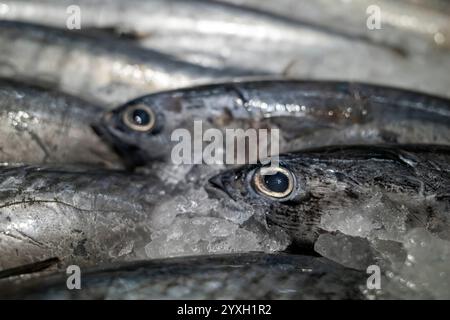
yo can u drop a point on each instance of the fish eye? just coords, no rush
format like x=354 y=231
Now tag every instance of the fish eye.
x=139 y=117
x=274 y=182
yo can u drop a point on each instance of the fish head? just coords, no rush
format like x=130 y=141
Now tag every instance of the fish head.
x=261 y=185
x=293 y=195
x=148 y=128
x=140 y=130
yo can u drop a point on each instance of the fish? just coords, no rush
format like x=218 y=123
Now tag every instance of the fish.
x=221 y=35
x=102 y=70
x=81 y=216
x=144 y=19
x=374 y=192
x=232 y=276
x=419 y=24
x=306 y=113
x=90 y=216
x=242 y=19
x=32 y=269
x=442 y=5
x=319 y=55
x=40 y=126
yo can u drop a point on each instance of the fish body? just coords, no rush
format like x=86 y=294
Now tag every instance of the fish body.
x=234 y=276
x=221 y=35
x=416 y=24
x=375 y=192
x=99 y=69
x=146 y=18
x=40 y=126
x=79 y=216
x=307 y=113
x=88 y=217
x=243 y=19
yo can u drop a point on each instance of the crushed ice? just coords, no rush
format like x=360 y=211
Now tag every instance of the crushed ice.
x=193 y=223
x=415 y=262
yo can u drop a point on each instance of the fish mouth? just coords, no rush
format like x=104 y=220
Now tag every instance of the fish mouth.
x=101 y=131
x=217 y=182
x=130 y=155
x=217 y=189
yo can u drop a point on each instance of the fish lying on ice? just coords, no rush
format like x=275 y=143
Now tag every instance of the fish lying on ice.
x=367 y=191
x=237 y=276
x=102 y=69
x=40 y=126
x=89 y=217
x=76 y=215
x=307 y=113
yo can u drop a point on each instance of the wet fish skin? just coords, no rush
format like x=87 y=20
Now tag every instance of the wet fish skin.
x=80 y=216
x=308 y=114
x=33 y=269
x=242 y=18
x=40 y=126
x=220 y=35
x=442 y=5
x=89 y=217
x=146 y=18
x=409 y=182
x=102 y=70
x=417 y=25
x=233 y=276
x=203 y=43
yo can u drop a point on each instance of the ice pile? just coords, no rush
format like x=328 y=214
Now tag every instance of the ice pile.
x=378 y=217
x=352 y=252
x=416 y=268
x=386 y=232
x=192 y=223
x=425 y=274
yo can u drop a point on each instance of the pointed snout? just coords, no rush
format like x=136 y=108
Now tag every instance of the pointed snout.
x=217 y=182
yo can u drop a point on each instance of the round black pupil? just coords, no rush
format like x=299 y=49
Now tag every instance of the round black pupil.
x=277 y=182
x=141 y=117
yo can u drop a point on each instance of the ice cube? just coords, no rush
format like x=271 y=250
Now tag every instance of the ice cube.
x=352 y=252
x=425 y=273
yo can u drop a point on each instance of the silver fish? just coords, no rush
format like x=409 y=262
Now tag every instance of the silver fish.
x=438 y=5
x=307 y=113
x=378 y=192
x=238 y=276
x=103 y=70
x=82 y=217
x=222 y=35
x=90 y=217
x=146 y=18
x=417 y=23
x=39 y=126
x=247 y=19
